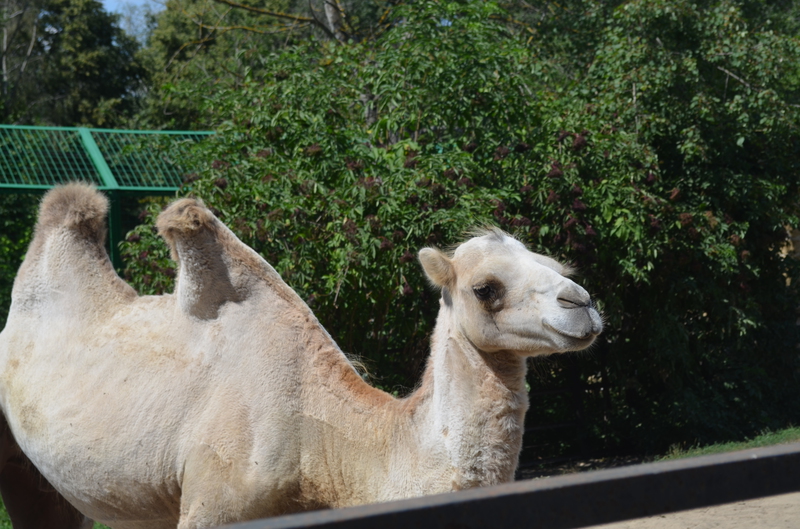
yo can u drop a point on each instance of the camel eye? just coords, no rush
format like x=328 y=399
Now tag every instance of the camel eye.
x=484 y=293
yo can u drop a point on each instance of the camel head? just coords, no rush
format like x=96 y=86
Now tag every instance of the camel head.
x=503 y=297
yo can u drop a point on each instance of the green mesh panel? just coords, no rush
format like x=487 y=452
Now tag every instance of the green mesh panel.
x=144 y=160
x=41 y=157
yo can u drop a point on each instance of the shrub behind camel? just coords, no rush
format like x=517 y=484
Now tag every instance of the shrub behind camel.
x=228 y=401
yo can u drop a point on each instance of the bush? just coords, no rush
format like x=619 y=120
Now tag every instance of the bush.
x=666 y=173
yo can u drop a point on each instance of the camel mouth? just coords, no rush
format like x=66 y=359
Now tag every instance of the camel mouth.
x=573 y=341
x=583 y=332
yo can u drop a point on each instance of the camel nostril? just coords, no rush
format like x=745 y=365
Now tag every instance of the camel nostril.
x=572 y=303
x=573 y=297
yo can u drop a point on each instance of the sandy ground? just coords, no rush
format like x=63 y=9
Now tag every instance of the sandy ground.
x=774 y=512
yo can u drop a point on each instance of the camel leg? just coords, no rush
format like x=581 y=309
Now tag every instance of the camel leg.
x=31 y=502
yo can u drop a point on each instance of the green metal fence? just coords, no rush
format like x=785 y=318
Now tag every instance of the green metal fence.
x=119 y=162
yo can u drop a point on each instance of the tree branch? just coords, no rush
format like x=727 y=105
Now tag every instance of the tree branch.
x=261 y=30
x=731 y=74
x=277 y=14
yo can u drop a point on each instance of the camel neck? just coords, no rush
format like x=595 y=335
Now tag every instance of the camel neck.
x=477 y=405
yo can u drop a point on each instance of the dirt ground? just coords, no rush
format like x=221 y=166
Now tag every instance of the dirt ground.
x=774 y=512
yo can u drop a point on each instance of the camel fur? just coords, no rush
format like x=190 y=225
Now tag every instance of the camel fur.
x=228 y=401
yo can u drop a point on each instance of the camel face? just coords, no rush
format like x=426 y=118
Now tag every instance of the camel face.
x=507 y=298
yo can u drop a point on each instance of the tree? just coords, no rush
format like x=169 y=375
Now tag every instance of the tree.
x=66 y=62
x=208 y=42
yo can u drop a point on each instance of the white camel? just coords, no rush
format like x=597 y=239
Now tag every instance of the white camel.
x=228 y=401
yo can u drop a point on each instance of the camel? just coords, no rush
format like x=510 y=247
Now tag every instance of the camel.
x=228 y=401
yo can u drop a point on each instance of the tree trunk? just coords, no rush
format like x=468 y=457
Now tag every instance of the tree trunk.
x=333 y=11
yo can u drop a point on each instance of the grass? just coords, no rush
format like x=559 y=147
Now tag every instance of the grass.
x=767 y=438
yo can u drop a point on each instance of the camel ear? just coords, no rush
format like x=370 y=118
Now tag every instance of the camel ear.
x=438 y=267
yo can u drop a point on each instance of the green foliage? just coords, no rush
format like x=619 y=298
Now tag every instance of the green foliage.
x=16 y=228
x=665 y=169
x=716 y=101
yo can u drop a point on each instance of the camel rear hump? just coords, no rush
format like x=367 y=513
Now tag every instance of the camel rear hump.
x=214 y=266
x=184 y=218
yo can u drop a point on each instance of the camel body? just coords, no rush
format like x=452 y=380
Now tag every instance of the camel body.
x=227 y=400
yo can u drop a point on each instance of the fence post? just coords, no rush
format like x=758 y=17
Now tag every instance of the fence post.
x=112 y=188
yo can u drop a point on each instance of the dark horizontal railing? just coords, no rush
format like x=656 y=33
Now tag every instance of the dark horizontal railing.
x=576 y=500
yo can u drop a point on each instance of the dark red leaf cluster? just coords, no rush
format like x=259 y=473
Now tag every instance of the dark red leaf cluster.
x=191 y=177
x=555 y=171
x=349 y=227
x=655 y=223
x=386 y=244
x=501 y=152
x=374 y=222
x=369 y=182
x=466 y=182
x=407 y=257
x=579 y=142
x=354 y=165
x=411 y=160
x=313 y=150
